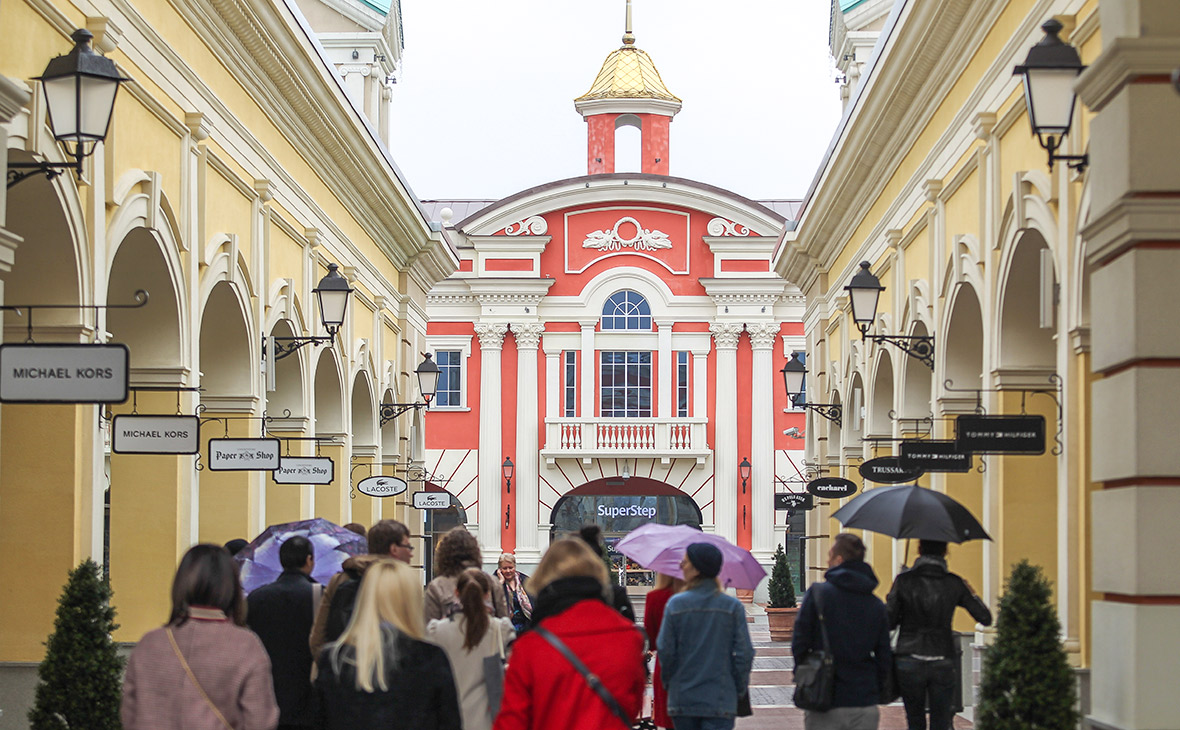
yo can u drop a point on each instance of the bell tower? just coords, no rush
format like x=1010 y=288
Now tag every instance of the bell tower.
x=628 y=91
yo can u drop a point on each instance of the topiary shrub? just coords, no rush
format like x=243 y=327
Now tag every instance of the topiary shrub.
x=81 y=677
x=781 y=587
x=1027 y=682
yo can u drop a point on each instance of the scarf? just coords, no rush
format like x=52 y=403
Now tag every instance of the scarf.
x=517 y=589
x=564 y=593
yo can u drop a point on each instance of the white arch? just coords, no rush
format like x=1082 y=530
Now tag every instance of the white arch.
x=654 y=289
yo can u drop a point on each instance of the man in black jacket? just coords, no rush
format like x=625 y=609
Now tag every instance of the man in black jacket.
x=858 y=631
x=281 y=613
x=923 y=602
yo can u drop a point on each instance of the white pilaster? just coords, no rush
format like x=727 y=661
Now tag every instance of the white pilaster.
x=666 y=369
x=700 y=384
x=587 y=370
x=491 y=346
x=762 y=337
x=554 y=383
x=528 y=337
x=725 y=459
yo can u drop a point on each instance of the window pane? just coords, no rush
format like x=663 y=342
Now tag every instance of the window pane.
x=450 y=392
x=625 y=385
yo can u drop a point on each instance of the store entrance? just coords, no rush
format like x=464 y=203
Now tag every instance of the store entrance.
x=618 y=506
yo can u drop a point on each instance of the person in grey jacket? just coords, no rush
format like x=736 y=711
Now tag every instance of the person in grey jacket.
x=704 y=646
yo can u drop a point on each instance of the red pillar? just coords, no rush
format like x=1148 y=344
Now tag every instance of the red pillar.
x=600 y=144
x=655 y=144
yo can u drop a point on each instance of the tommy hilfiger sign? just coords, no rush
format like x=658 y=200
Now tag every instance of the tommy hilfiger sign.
x=1000 y=434
x=935 y=455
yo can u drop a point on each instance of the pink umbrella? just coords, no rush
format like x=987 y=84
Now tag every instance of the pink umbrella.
x=660 y=547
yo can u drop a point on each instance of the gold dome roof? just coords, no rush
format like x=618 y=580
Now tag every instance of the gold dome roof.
x=628 y=73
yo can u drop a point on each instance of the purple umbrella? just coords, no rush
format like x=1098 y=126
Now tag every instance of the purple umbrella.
x=660 y=547
x=331 y=543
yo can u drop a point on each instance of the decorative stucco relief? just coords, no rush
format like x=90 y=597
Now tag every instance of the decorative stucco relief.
x=722 y=227
x=534 y=225
x=643 y=240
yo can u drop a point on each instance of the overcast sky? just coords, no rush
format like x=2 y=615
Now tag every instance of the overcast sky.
x=484 y=105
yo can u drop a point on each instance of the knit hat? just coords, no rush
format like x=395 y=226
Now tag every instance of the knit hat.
x=706 y=558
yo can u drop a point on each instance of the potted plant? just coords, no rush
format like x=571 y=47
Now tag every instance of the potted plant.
x=781 y=608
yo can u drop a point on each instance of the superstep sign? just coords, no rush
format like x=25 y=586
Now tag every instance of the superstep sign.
x=131 y=434
x=63 y=373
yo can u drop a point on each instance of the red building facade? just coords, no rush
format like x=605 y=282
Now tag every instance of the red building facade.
x=617 y=337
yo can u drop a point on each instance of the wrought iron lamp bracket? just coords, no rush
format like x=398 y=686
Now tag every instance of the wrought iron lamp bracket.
x=834 y=412
x=390 y=411
x=285 y=346
x=920 y=347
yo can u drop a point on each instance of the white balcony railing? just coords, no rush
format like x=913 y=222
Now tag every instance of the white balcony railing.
x=588 y=438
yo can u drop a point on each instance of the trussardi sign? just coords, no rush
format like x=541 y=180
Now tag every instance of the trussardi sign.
x=888 y=470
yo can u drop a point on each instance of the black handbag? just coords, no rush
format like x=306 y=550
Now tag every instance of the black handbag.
x=815 y=676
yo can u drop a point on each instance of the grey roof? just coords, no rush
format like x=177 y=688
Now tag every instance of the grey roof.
x=461 y=208
x=788 y=209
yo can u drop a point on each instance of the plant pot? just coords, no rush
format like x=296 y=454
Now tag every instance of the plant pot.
x=782 y=623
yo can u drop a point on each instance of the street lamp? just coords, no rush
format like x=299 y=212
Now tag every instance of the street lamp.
x=794 y=374
x=744 y=472
x=332 y=295
x=427 y=372
x=864 y=291
x=1049 y=72
x=79 y=90
x=507 y=468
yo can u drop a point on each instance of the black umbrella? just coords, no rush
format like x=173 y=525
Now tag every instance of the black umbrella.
x=910 y=511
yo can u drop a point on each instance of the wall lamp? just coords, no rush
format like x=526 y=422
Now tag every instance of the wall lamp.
x=427 y=373
x=79 y=90
x=794 y=375
x=508 y=468
x=1049 y=72
x=332 y=294
x=864 y=291
x=744 y=472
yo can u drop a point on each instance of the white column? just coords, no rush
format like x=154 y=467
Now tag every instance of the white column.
x=528 y=337
x=700 y=384
x=491 y=345
x=725 y=459
x=587 y=365
x=762 y=338
x=667 y=367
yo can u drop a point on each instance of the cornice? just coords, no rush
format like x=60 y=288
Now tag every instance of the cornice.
x=14 y=95
x=1123 y=60
x=593 y=107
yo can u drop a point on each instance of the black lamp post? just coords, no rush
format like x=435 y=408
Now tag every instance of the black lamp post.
x=864 y=291
x=794 y=375
x=79 y=90
x=508 y=468
x=427 y=372
x=332 y=295
x=744 y=472
x=1049 y=72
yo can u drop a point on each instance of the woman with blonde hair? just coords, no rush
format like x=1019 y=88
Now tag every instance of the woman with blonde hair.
x=469 y=637
x=653 y=616
x=380 y=673
x=511 y=580
x=573 y=624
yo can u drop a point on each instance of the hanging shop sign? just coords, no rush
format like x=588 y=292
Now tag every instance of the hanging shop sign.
x=432 y=500
x=134 y=434
x=935 y=455
x=793 y=501
x=58 y=373
x=1000 y=434
x=382 y=486
x=305 y=470
x=832 y=487
x=889 y=470
x=243 y=454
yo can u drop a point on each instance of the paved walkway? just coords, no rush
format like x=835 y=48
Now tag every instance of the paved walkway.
x=771 y=684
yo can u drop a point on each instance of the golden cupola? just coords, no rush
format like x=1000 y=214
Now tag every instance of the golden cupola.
x=628 y=91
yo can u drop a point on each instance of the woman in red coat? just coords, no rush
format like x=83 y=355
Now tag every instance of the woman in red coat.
x=542 y=689
x=653 y=615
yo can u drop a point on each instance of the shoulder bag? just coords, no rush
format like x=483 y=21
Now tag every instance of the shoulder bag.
x=493 y=670
x=815 y=677
x=193 y=678
x=591 y=679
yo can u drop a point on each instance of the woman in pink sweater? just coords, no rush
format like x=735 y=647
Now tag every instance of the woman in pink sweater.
x=202 y=670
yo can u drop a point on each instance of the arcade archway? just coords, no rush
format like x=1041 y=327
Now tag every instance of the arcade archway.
x=618 y=506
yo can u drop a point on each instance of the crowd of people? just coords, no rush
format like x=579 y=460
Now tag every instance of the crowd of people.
x=470 y=651
x=473 y=651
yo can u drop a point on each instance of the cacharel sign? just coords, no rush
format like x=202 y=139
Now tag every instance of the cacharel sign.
x=633 y=510
x=889 y=470
x=832 y=487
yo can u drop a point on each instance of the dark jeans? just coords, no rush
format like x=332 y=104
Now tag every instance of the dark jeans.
x=683 y=722
x=924 y=683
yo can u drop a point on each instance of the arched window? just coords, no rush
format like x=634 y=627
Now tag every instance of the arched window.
x=626 y=310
